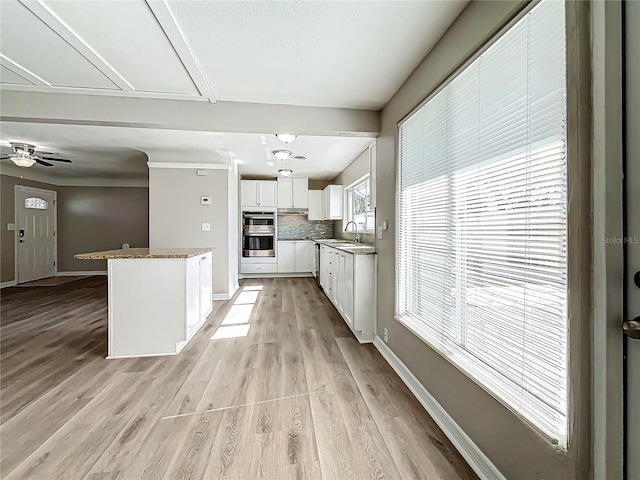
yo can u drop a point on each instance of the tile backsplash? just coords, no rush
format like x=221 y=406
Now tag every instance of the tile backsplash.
x=298 y=226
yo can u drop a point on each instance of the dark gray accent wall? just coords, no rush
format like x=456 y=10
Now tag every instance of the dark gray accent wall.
x=99 y=218
x=89 y=219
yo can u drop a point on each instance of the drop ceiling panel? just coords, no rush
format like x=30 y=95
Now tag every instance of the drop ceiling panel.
x=29 y=42
x=10 y=77
x=344 y=54
x=128 y=37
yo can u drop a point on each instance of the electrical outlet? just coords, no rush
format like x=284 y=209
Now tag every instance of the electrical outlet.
x=380 y=229
x=206 y=227
x=386 y=335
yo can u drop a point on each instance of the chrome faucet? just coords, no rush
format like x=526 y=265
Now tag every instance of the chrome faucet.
x=356 y=237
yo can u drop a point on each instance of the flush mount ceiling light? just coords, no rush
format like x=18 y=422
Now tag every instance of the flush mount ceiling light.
x=285 y=172
x=299 y=157
x=281 y=154
x=286 y=137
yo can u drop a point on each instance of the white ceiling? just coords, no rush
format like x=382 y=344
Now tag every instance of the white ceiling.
x=120 y=152
x=352 y=54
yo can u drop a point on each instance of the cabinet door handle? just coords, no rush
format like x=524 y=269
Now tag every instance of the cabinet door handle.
x=203 y=258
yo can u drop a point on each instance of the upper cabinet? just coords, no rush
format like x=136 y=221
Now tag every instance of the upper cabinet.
x=372 y=175
x=332 y=202
x=293 y=193
x=315 y=205
x=259 y=193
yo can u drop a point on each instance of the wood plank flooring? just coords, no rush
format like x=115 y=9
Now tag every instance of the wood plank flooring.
x=274 y=386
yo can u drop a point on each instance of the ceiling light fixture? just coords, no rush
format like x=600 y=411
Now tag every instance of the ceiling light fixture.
x=286 y=137
x=285 y=172
x=23 y=161
x=281 y=154
x=299 y=157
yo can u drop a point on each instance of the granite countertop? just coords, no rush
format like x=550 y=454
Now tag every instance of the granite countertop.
x=144 y=253
x=347 y=246
x=295 y=239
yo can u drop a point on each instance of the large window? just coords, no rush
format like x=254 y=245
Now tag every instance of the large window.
x=357 y=206
x=482 y=220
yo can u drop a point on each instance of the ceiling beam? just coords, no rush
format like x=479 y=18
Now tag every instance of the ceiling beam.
x=54 y=22
x=61 y=108
x=172 y=30
x=23 y=72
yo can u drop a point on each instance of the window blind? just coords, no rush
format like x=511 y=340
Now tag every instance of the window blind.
x=482 y=220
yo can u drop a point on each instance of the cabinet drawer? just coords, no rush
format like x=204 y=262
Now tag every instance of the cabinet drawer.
x=259 y=268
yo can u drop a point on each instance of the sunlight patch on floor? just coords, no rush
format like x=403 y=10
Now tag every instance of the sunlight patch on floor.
x=237 y=321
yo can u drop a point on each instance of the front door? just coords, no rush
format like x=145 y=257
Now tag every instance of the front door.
x=632 y=179
x=35 y=227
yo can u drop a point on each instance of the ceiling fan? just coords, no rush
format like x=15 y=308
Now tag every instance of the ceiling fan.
x=25 y=155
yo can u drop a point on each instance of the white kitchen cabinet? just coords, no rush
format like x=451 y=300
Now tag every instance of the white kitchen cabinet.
x=315 y=205
x=293 y=192
x=305 y=252
x=286 y=257
x=259 y=193
x=373 y=168
x=348 y=280
x=332 y=202
x=296 y=256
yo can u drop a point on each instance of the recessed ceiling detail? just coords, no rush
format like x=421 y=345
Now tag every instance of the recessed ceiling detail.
x=97 y=48
x=349 y=54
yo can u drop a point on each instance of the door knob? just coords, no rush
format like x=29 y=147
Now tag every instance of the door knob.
x=631 y=328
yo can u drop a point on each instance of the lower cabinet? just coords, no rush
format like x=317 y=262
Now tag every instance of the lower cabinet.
x=349 y=282
x=296 y=256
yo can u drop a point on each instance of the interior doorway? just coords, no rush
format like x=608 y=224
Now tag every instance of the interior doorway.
x=35 y=239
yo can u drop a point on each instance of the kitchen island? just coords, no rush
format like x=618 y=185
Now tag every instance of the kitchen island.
x=158 y=298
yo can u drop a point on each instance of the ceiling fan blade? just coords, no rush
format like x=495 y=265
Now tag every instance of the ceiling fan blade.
x=4 y=155
x=42 y=162
x=57 y=159
x=39 y=153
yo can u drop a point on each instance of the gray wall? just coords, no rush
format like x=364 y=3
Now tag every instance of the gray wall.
x=514 y=447
x=176 y=215
x=356 y=170
x=89 y=219
x=99 y=218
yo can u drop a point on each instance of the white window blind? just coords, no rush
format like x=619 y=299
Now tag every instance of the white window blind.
x=482 y=220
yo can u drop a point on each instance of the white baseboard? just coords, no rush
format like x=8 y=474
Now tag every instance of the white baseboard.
x=276 y=275
x=10 y=283
x=81 y=273
x=226 y=296
x=477 y=460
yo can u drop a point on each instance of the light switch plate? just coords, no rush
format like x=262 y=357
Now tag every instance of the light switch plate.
x=11 y=226
x=206 y=227
x=205 y=200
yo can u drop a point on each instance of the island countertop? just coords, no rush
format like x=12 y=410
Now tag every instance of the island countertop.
x=144 y=253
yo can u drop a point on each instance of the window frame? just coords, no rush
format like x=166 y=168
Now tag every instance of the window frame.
x=460 y=359
x=348 y=203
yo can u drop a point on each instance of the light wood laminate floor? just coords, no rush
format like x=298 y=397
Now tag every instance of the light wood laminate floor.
x=273 y=386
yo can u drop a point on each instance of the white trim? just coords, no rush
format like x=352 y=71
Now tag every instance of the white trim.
x=81 y=273
x=23 y=72
x=477 y=460
x=225 y=296
x=198 y=166
x=277 y=275
x=24 y=188
x=9 y=283
x=102 y=92
x=162 y=11
x=55 y=23
x=116 y=357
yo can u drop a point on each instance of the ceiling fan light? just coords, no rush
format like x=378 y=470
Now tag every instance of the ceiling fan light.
x=281 y=154
x=286 y=137
x=285 y=172
x=23 y=161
